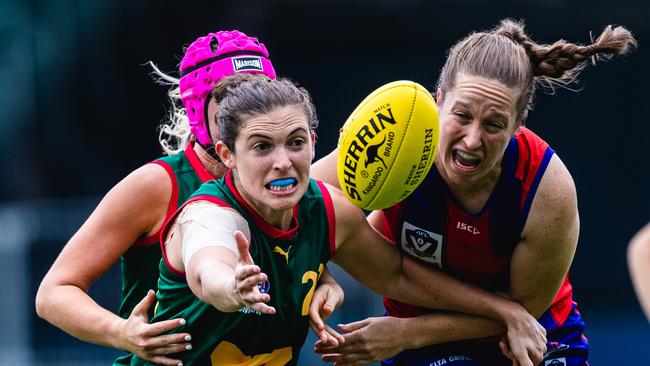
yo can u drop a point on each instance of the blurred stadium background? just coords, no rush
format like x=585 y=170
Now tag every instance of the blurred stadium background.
x=79 y=111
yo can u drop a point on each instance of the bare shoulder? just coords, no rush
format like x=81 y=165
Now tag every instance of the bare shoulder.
x=139 y=201
x=554 y=211
x=556 y=195
x=149 y=179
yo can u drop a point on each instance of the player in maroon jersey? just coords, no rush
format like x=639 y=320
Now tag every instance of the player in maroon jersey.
x=498 y=211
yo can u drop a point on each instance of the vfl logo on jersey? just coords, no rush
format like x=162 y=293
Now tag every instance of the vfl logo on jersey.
x=279 y=250
x=372 y=154
x=423 y=244
x=247 y=63
x=556 y=362
x=264 y=286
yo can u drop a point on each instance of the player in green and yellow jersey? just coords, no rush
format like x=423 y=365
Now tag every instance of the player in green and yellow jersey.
x=126 y=224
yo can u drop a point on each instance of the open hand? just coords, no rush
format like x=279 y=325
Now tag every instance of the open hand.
x=247 y=277
x=151 y=341
x=366 y=341
x=525 y=342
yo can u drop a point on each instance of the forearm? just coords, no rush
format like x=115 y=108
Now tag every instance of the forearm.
x=442 y=327
x=430 y=288
x=216 y=287
x=72 y=310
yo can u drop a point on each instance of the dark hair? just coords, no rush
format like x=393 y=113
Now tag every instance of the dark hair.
x=244 y=95
x=506 y=54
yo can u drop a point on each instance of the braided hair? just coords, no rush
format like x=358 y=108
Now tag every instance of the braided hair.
x=506 y=54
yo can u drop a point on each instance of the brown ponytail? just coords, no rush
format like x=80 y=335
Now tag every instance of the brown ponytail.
x=508 y=55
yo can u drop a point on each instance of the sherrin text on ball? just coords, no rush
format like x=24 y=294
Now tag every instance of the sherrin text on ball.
x=388 y=145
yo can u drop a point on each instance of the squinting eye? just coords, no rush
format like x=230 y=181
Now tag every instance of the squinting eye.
x=297 y=142
x=260 y=147
x=495 y=126
x=463 y=116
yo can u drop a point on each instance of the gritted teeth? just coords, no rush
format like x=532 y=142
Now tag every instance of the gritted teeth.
x=465 y=159
x=282 y=184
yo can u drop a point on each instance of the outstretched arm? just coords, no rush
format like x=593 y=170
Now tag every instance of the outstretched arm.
x=372 y=260
x=62 y=297
x=378 y=338
x=207 y=241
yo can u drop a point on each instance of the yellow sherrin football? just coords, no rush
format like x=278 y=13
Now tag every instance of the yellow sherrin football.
x=388 y=145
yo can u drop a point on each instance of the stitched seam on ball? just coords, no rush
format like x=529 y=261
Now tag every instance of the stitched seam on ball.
x=408 y=124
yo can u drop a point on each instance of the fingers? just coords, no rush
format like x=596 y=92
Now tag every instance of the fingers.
x=350 y=327
x=242 y=248
x=315 y=308
x=162 y=360
x=158 y=345
x=142 y=308
x=249 y=276
x=505 y=349
x=522 y=359
x=327 y=337
x=263 y=308
x=164 y=326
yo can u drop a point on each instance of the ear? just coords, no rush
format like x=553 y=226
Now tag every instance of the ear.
x=438 y=96
x=314 y=138
x=212 y=118
x=227 y=156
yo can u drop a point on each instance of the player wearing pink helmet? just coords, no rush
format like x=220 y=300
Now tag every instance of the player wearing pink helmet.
x=126 y=224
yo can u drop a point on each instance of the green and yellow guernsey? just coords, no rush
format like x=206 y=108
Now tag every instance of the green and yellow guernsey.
x=293 y=261
x=139 y=265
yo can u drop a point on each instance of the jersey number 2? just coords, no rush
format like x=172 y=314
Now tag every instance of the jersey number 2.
x=310 y=276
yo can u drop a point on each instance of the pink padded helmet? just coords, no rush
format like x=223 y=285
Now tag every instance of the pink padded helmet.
x=209 y=59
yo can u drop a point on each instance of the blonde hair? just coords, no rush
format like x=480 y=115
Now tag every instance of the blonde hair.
x=174 y=131
x=506 y=54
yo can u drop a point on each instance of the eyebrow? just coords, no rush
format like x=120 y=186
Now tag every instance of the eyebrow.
x=293 y=132
x=491 y=112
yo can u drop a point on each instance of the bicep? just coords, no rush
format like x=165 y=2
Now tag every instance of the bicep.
x=204 y=224
x=544 y=254
x=130 y=210
x=206 y=246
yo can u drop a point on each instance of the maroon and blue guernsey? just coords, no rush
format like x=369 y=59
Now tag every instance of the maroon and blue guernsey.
x=431 y=226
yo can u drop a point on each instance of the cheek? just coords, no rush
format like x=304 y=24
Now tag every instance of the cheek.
x=498 y=146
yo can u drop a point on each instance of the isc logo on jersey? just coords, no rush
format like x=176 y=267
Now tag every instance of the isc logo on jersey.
x=388 y=145
x=423 y=244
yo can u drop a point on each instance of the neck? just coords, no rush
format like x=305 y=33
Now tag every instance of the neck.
x=472 y=195
x=213 y=166
x=280 y=218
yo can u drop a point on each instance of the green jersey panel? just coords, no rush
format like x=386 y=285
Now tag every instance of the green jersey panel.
x=139 y=265
x=293 y=261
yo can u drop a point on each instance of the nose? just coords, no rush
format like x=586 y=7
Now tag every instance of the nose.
x=472 y=138
x=282 y=159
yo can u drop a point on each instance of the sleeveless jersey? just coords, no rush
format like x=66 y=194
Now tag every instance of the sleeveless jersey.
x=293 y=261
x=477 y=248
x=139 y=265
